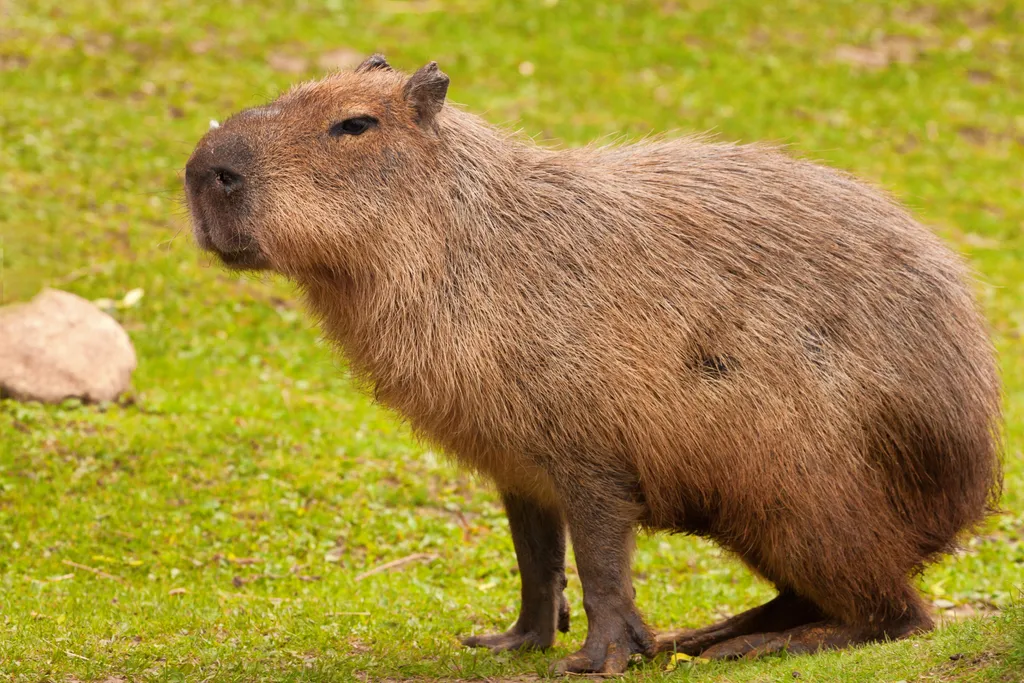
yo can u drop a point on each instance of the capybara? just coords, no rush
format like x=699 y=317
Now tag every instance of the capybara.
x=682 y=335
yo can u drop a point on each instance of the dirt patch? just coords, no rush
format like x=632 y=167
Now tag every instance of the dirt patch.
x=974 y=135
x=980 y=137
x=976 y=19
x=979 y=77
x=881 y=53
x=949 y=612
x=13 y=62
x=924 y=15
x=287 y=63
x=958 y=665
x=341 y=59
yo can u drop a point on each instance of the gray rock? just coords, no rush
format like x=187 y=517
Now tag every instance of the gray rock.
x=60 y=346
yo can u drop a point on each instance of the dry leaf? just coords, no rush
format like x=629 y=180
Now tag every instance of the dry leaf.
x=132 y=298
x=677 y=657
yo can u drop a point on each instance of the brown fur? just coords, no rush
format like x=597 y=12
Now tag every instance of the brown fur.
x=706 y=338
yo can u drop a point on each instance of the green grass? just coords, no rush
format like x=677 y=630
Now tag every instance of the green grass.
x=248 y=484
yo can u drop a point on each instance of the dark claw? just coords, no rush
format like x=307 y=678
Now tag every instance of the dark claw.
x=563 y=615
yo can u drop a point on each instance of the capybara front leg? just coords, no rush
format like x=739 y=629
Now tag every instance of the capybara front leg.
x=602 y=538
x=538 y=534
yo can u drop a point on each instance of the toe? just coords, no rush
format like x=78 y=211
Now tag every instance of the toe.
x=511 y=640
x=741 y=646
x=615 y=660
x=771 y=647
x=683 y=641
x=576 y=663
x=488 y=641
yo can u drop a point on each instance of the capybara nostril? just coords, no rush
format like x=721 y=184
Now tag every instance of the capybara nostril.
x=227 y=180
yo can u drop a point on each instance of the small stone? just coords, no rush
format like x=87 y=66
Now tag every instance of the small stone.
x=60 y=346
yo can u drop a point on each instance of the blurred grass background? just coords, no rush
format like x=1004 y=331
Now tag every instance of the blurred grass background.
x=247 y=485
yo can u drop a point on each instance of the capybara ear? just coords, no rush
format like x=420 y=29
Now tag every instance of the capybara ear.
x=373 y=62
x=425 y=91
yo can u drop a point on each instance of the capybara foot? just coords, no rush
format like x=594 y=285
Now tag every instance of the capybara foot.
x=539 y=636
x=512 y=639
x=802 y=640
x=817 y=636
x=608 y=651
x=784 y=612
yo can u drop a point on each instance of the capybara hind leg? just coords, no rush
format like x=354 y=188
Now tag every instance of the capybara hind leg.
x=785 y=611
x=811 y=638
x=803 y=639
x=538 y=534
x=602 y=536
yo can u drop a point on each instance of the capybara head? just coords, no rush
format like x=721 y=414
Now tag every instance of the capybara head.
x=299 y=185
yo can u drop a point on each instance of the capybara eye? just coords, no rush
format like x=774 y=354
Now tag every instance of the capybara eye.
x=354 y=126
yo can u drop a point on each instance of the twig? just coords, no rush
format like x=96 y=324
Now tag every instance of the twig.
x=98 y=572
x=69 y=653
x=400 y=562
x=52 y=579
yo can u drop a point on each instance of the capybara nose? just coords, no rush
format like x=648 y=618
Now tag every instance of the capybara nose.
x=218 y=163
x=199 y=173
x=226 y=180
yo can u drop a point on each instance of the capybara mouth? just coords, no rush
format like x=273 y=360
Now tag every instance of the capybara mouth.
x=246 y=256
x=243 y=259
